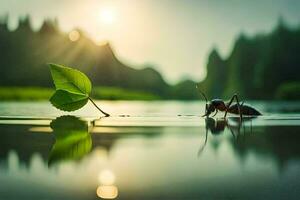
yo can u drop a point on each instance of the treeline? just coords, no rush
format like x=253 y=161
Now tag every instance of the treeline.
x=24 y=55
x=262 y=67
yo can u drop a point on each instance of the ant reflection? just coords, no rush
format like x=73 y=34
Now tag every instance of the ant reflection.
x=218 y=126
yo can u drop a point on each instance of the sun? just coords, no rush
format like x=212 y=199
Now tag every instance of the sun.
x=107 y=16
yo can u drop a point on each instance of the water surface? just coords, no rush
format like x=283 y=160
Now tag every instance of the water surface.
x=148 y=150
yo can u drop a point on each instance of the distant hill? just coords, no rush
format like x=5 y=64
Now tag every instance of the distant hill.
x=24 y=54
x=262 y=67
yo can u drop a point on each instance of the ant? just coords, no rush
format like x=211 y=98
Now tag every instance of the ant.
x=216 y=105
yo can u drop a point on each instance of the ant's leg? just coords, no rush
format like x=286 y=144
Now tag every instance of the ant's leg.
x=229 y=104
x=239 y=106
x=215 y=113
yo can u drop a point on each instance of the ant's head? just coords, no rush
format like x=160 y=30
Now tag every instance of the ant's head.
x=215 y=104
x=209 y=108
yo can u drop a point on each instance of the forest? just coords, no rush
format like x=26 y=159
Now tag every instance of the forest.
x=265 y=66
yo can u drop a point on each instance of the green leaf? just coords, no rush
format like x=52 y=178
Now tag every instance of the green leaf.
x=72 y=139
x=67 y=101
x=72 y=88
x=70 y=80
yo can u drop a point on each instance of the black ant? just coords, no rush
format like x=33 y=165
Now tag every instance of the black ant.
x=216 y=105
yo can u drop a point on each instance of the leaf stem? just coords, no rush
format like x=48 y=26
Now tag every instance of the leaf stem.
x=106 y=114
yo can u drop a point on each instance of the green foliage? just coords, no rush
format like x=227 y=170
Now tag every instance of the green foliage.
x=289 y=91
x=214 y=84
x=185 y=90
x=70 y=80
x=72 y=140
x=72 y=88
x=24 y=93
x=67 y=101
x=256 y=67
x=103 y=93
x=34 y=48
x=114 y=93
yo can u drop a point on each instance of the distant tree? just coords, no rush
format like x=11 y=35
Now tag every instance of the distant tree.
x=24 y=54
x=257 y=66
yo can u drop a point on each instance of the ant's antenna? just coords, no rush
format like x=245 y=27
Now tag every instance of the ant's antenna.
x=204 y=96
x=202 y=93
x=206 y=104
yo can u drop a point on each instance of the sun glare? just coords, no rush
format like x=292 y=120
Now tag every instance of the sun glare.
x=107 y=16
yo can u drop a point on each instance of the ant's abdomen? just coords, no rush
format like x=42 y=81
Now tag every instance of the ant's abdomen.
x=245 y=109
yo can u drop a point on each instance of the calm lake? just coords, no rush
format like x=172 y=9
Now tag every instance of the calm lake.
x=148 y=150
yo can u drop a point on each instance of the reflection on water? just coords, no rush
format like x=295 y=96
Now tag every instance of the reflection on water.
x=136 y=108
x=106 y=177
x=217 y=126
x=107 y=191
x=249 y=160
x=72 y=140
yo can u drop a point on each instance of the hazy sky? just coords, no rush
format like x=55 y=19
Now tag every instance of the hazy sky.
x=173 y=35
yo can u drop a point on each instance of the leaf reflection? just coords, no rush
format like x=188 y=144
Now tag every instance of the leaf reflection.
x=72 y=139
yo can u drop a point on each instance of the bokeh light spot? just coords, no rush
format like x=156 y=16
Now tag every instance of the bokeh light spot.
x=74 y=35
